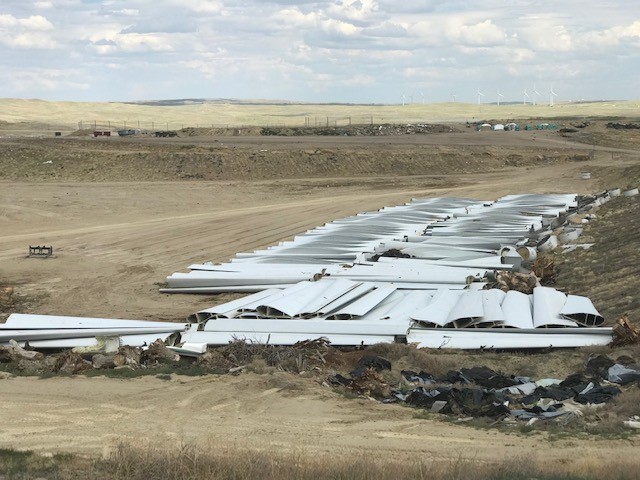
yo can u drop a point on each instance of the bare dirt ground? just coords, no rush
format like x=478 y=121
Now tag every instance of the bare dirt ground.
x=262 y=412
x=122 y=215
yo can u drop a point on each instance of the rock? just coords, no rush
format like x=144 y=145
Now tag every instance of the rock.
x=18 y=352
x=31 y=367
x=100 y=361
x=5 y=375
x=50 y=362
x=158 y=353
x=71 y=363
x=127 y=356
x=5 y=355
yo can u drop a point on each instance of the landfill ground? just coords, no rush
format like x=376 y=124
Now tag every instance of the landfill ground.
x=122 y=214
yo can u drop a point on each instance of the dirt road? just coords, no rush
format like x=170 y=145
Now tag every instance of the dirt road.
x=265 y=412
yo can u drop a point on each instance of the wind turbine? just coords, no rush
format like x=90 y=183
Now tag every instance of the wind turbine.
x=480 y=95
x=499 y=97
x=404 y=98
x=535 y=92
x=422 y=95
x=453 y=97
x=551 y=95
x=526 y=95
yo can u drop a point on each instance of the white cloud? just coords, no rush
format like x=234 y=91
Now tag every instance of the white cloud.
x=483 y=33
x=34 y=22
x=51 y=80
x=359 y=80
x=297 y=48
x=353 y=10
x=203 y=6
x=26 y=33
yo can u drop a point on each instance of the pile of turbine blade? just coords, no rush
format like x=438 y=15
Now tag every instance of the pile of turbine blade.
x=345 y=312
x=54 y=331
x=420 y=293
x=448 y=240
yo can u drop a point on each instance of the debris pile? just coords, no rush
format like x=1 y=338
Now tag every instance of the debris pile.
x=366 y=378
x=623 y=126
x=358 y=130
x=520 y=282
x=624 y=333
x=483 y=392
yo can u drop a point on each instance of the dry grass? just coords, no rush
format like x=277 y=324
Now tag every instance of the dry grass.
x=608 y=273
x=609 y=420
x=200 y=462
x=557 y=363
x=70 y=113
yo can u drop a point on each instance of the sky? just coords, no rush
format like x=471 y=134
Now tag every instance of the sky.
x=350 y=51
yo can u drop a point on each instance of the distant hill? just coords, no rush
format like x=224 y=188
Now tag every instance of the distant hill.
x=226 y=101
x=174 y=114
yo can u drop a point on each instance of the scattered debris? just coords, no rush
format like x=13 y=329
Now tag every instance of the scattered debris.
x=520 y=282
x=623 y=126
x=101 y=361
x=483 y=392
x=157 y=353
x=366 y=378
x=358 y=130
x=40 y=251
x=15 y=352
x=127 y=357
x=71 y=363
x=168 y=133
x=544 y=268
x=624 y=333
x=633 y=422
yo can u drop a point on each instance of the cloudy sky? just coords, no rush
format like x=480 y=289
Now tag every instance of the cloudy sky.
x=361 y=51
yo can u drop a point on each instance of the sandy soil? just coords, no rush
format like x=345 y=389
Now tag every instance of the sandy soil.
x=265 y=412
x=116 y=241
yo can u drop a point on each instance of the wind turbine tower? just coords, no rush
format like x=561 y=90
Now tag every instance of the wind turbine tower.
x=499 y=97
x=526 y=95
x=480 y=95
x=453 y=97
x=551 y=95
x=535 y=93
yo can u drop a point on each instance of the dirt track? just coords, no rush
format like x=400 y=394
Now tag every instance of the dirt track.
x=263 y=412
x=115 y=241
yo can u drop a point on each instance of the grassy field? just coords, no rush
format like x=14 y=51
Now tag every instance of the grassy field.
x=67 y=115
x=203 y=462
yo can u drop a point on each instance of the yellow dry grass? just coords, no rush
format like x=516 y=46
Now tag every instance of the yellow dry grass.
x=233 y=114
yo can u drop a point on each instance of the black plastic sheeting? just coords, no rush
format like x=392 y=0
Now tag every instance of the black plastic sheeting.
x=483 y=392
